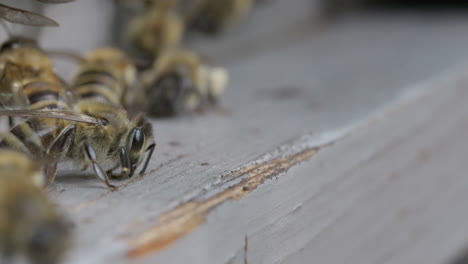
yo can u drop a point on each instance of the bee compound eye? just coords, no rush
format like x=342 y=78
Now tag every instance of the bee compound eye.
x=10 y=45
x=138 y=139
x=16 y=43
x=103 y=122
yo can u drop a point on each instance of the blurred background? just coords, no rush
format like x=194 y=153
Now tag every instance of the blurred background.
x=86 y=24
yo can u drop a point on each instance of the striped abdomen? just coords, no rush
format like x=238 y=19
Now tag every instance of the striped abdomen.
x=25 y=87
x=44 y=95
x=33 y=136
x=99 y=83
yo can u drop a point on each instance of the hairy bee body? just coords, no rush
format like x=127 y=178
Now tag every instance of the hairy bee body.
x=105 y=139
x=180 y=83
x=106 y=75
x=100 y=84
x=157 y=30
x=28 y=81
x=33 y=137
x=53 y=140
x=27 y=77
x=212 y=16
x=30 y=224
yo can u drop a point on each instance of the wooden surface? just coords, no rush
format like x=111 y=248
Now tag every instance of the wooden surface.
x=343 y=143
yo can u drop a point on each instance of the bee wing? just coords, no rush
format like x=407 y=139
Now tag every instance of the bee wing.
x=57 y=114
x=20 y=16
x=55 y=1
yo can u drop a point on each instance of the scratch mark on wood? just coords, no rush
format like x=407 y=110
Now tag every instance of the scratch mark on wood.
x=175 y=144
x=246 y=247
x=186 y=217
x=282 y=93
x=88 y=203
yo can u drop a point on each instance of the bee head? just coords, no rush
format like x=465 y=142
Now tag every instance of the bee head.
x=173 y=93
x=139 y=141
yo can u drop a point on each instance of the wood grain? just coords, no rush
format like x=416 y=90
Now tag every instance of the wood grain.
x=370 y=81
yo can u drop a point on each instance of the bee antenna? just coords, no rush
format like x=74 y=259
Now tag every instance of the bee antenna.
x=150 y=149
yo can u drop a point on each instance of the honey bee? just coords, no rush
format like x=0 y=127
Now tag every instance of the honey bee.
x=212 y=16
x=20 y=16
x=106 y=75
x=30 y=225
x=158 y=29
x=94 y=130
x=179 y=83
x=27 y=77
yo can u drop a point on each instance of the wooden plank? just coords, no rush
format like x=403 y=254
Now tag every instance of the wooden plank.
x=400 y=198
x=293 y=92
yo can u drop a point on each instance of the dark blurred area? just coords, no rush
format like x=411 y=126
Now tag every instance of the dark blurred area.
x=333 y=8
x=398 y=3
x=417 y=3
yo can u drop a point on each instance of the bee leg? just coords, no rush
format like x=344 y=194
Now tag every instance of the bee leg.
x=50 y=171
x=58 y=147
x=125 y=163
x=62 y=142
x=100 y=173
x=148 y=158
x=11 y=122
x=110 y=171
